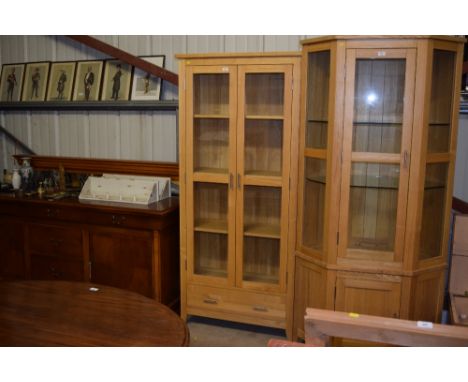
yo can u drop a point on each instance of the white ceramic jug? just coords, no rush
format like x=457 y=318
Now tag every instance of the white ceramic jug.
x=16 y=179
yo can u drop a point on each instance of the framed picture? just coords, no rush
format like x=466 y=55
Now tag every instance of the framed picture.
x=11 y=82
x=117 y=80
x=61 y=81
x=35 y=81
x=87 y=80
x=144 y=85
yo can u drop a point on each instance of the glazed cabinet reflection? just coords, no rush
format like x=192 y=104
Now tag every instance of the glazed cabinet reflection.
x=238 y=127
x=377 y=148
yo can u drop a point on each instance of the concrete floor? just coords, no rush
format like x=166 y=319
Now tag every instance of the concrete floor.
x=209 y=332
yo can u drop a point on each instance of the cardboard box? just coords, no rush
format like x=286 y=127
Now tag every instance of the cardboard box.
x=458 y=286
x=460 y=235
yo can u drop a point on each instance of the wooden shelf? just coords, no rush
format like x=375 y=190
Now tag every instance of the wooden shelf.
x=260 y=278
x=210 y=116
x=265 y=117
x=211 y=226
x=90 y=105
x=263 y=230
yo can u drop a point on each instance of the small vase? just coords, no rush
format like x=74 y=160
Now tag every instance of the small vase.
x=16 y=179
x=26 y=168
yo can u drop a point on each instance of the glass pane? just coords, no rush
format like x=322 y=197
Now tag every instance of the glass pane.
x=318 y=83
x=264 y=94
x=314 y=203
x=211 y=145
x=262 y=211
x=378 y=105
x=210 y=254
x=211 y=94
x=261 y=260
x=432 y=223
x=373 y=206
x=443 y=66
x=263 y=147
x=262 y=214
x=211 y=227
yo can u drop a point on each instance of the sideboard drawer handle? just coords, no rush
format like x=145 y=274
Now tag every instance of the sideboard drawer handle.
x=260 y=308
x=210 y=301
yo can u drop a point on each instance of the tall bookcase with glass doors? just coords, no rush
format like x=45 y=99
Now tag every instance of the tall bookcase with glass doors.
x=377 y=150
x=239 y=118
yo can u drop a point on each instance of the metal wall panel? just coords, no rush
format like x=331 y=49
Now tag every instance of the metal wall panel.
x=461 y=165
x=243 y=44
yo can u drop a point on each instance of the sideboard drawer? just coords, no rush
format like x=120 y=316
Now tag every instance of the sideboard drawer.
x=251 y=305
x=55 y=240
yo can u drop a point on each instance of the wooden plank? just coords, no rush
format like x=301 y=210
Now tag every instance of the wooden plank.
x=127 y=57
x=322 y=323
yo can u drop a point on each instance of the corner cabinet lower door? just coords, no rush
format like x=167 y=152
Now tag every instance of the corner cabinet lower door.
x=372 y=294
x=309 y=283
x=122 y=258
x=266 y=309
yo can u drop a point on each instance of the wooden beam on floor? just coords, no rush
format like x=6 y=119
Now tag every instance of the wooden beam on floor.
x=321 y=324
x=120 y=54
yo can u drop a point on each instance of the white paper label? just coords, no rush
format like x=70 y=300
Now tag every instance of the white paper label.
x=381 y=53
x=425 y=324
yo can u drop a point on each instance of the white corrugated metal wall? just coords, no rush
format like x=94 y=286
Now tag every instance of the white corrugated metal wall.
x=116 y=135
x=133 y=135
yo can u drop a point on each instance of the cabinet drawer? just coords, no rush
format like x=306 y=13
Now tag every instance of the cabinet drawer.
x=254 y=308
x=55 y=240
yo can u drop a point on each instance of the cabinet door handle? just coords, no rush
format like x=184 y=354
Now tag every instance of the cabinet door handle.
x=260 y=308
x=210 y=301
x=238 y=181
x=231 y=181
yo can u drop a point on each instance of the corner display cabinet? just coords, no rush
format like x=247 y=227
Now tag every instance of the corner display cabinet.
x=239 y=119
x=377 y=151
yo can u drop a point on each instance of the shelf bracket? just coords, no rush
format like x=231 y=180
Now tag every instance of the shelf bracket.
x=124 y=56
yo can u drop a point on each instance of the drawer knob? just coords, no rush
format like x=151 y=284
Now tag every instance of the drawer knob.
x=210 y=301
x=260 y=308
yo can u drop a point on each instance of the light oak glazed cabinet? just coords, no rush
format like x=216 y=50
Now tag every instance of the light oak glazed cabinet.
x=377 y=147
x=239 y=119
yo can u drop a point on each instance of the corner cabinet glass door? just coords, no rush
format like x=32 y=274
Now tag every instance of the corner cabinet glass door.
x=376 y=147
x=262 y=179
x=440 y=144
x=210 y=171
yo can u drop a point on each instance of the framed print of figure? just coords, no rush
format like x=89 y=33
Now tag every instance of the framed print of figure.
x=61 y=81
x=12 y=80
x=35 y=81
x=144 y=85
x=87 y=80
x=117 y=80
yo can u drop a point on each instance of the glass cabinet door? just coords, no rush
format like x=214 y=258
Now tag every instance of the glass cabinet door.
x=211 y=143
x=376 y=136
x=264 y=125
x=314 y=167
x=438 y=160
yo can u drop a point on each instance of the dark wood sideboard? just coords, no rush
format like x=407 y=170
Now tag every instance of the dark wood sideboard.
x=125 y=246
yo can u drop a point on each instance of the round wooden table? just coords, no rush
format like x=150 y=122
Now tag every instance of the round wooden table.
x=62 y=313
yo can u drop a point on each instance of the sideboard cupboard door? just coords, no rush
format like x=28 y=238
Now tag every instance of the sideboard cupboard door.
x=122 y=259
x=12 y=259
